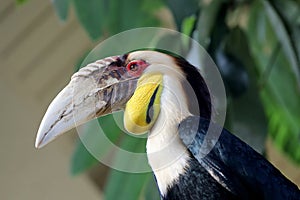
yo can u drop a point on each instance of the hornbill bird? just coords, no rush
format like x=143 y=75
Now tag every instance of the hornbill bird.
x=149 y=86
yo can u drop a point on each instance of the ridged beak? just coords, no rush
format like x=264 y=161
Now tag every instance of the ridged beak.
x=95 y=90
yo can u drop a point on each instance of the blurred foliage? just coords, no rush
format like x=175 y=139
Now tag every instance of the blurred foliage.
x=255 y=44
x=277 y=64
x=62 y=8
x=103 y=17
x=82 y=159
x=19 y=2
x=182 y=10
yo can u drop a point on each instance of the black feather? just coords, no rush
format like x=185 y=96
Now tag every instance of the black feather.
x=239 y=172
x=199 y=86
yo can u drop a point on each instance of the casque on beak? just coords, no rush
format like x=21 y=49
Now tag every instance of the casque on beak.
x=95 y=90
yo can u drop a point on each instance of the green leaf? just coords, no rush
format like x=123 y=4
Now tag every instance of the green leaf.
x=111 y=17
x=291 y=20
x=82 y=159
x=61 y=8
x=245 y=114
x=279 y=89
x=288 y=11
x=122 y=185
x=188 y=25
x=151 y=191
x=206 y=21
x=182 y=9
x=124 y=15
x=134 y=156
x=151 y=6
x=284 y=39
x=91 y=15
x=19 y=2
x=125 y=186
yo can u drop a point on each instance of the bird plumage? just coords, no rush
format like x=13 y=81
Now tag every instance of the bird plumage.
x=176 y=109
x=230 y=168
x=234 y=165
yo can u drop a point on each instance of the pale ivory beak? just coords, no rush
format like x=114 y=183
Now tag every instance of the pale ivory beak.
x=95 y=90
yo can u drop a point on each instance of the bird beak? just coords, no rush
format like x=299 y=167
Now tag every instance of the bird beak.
x=95 y=90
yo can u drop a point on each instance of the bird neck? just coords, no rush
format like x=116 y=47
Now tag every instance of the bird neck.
x=167 y=155
x=196 y=89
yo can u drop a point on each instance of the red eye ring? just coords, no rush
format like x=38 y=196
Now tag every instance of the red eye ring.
x=136 y=67
x=133 y=66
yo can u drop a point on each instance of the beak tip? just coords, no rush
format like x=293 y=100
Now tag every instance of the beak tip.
x=81 y=100
x=37 y=146
x=43 y=137
x=39 y=142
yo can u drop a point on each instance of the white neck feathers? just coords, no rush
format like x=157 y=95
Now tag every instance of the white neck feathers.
x=166 y=153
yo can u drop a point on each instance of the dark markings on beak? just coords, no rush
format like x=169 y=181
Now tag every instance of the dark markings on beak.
x=116 y=95
x=120 y=62
x=115 y=74
x=112 y=72
x=150 y=111
x=124 y=58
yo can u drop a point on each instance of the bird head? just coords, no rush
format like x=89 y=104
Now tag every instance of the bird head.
x=132 y=82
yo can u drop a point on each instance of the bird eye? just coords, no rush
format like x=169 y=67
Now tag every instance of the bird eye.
x=133 y=66
x=136 y=67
